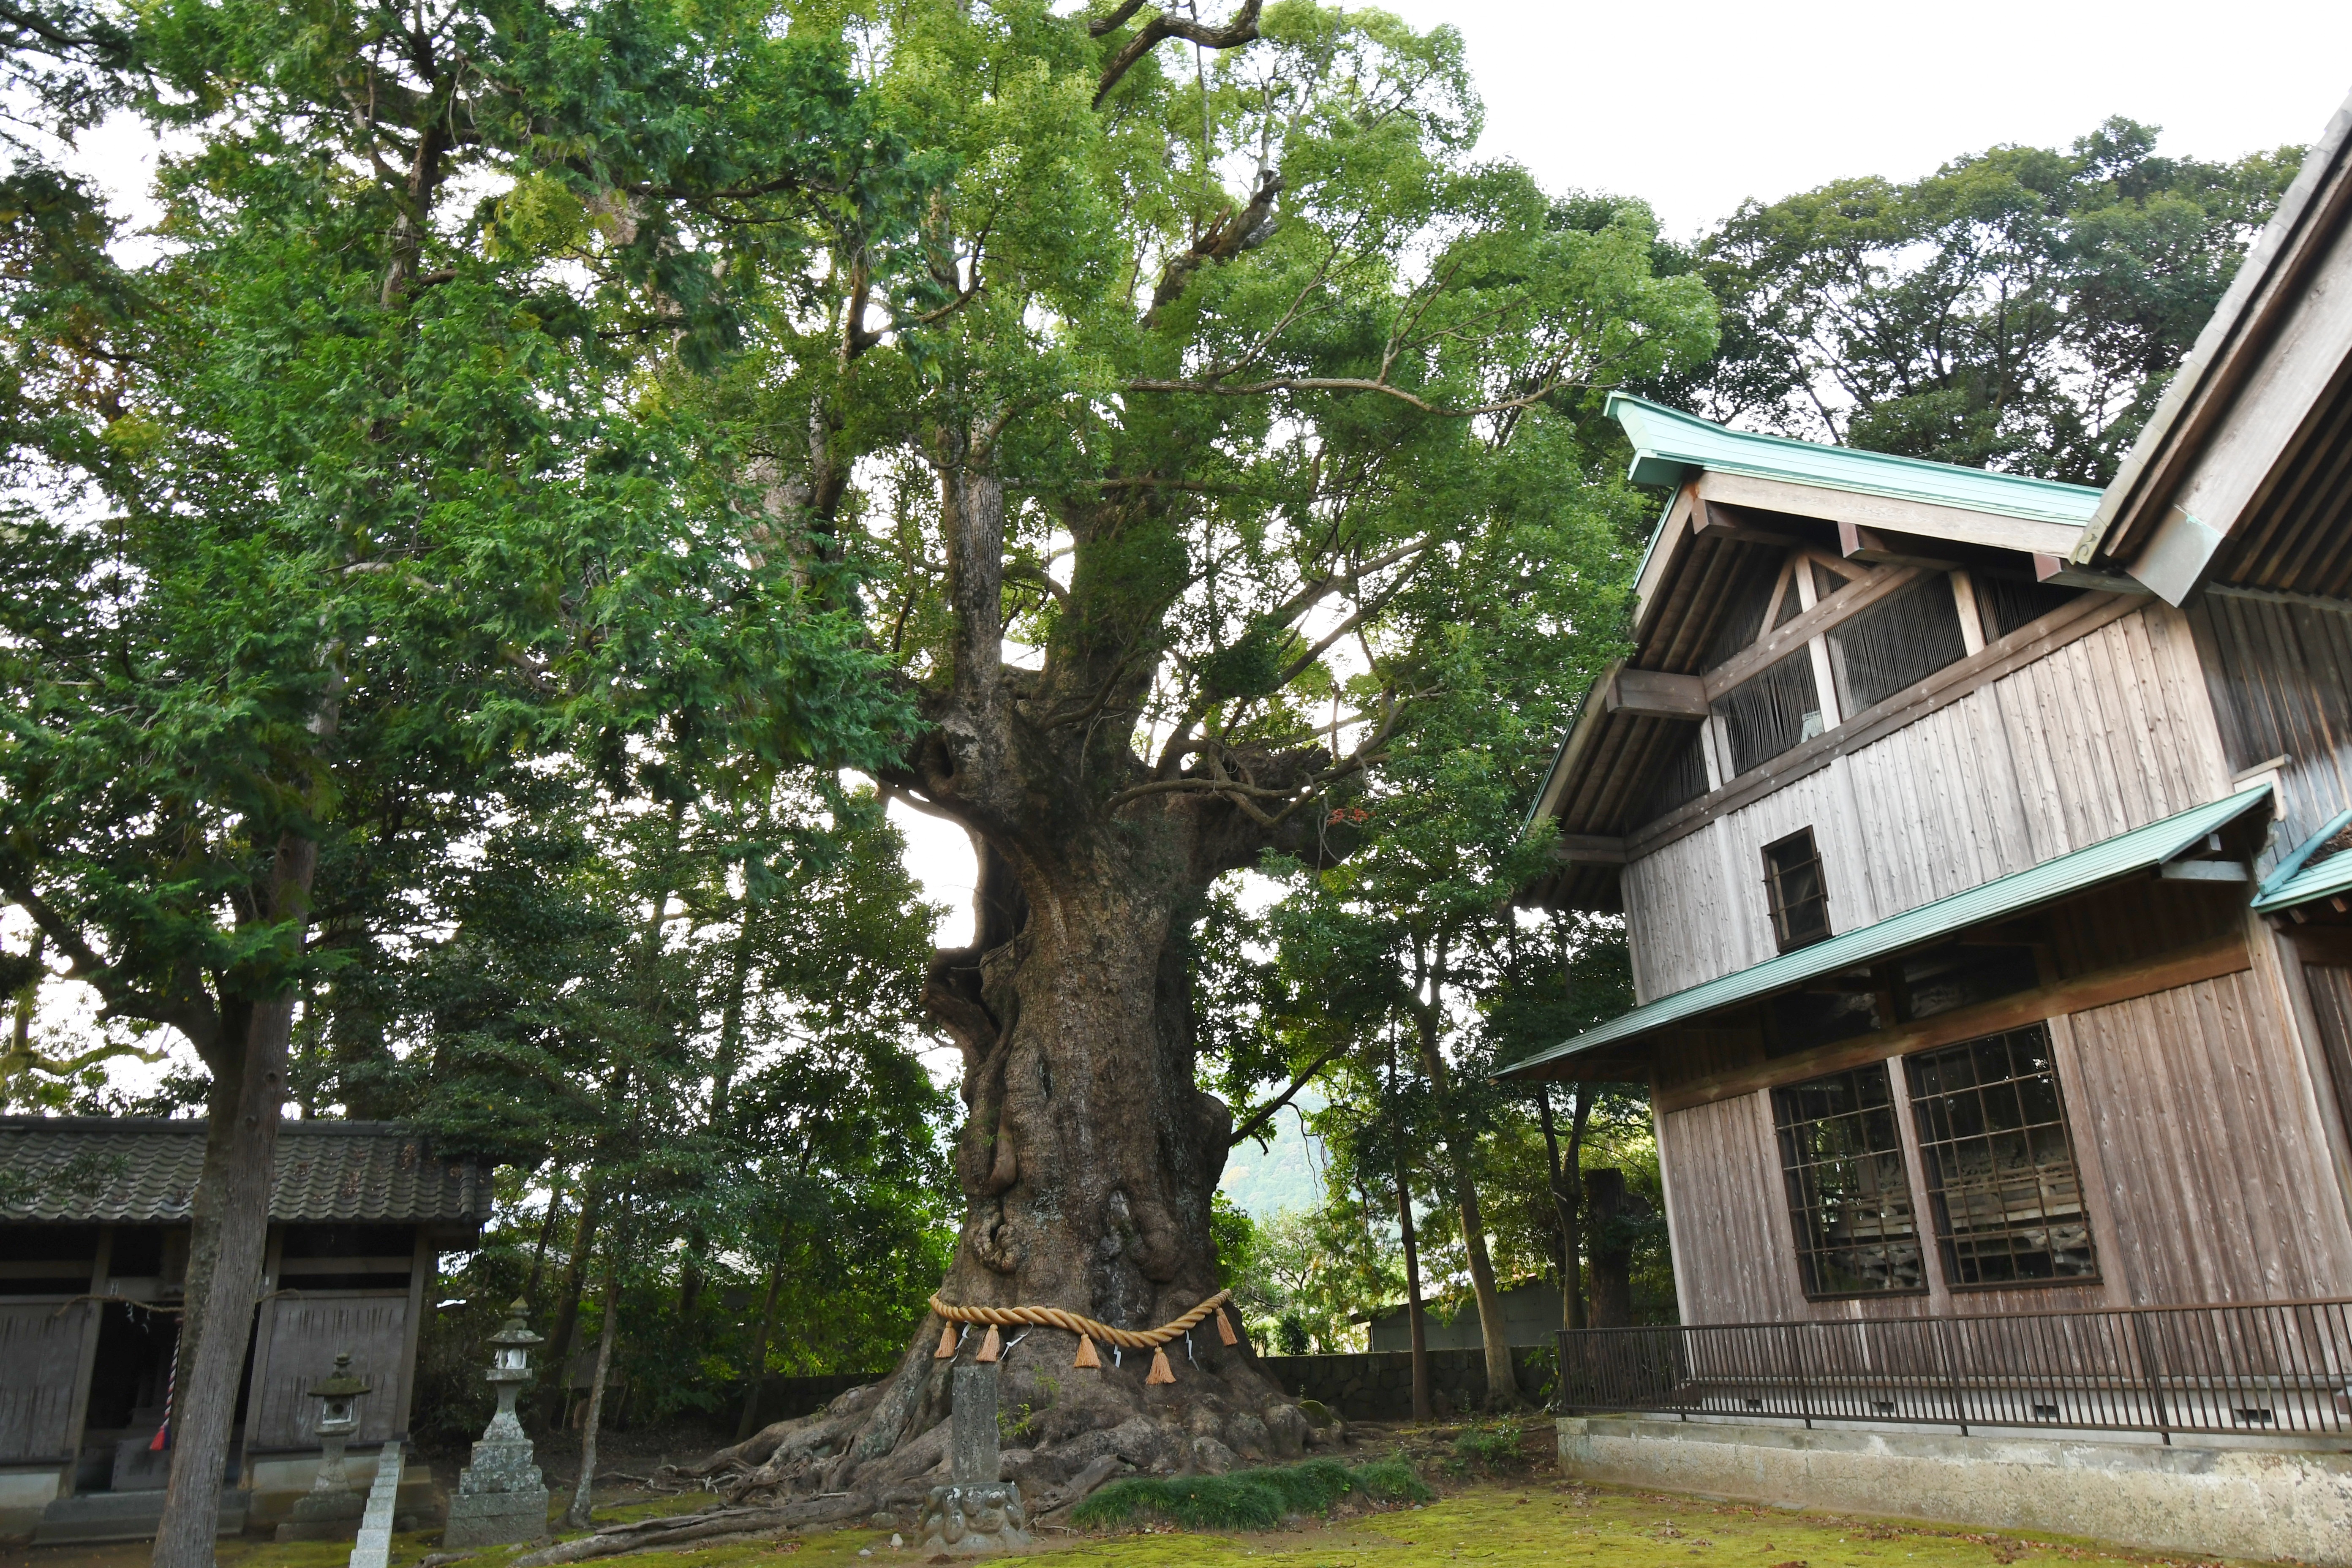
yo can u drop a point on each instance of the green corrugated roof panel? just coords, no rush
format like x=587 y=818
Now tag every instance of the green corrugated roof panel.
x=2138 y=850
x=2292 y=884
x=1669 y=444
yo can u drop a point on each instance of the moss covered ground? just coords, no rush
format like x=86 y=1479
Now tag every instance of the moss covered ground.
x=1533 y=1519
x=1536 y=1521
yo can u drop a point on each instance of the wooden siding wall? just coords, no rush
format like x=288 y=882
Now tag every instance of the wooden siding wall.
x=2206 y=1083
x=40 y=1367
x=303 y=1336
x=2108 y=733
x=2281 y=678
x=2329 y=985
x=2203 y=1082
x=1734 y=1254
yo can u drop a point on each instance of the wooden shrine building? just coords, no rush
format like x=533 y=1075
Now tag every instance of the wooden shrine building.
x=1984 y=847
x=93 y=1261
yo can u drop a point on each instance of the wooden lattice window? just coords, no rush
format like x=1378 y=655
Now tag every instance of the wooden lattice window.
x=1684 y=779
x=1898 y=642
x=2000 y=1162
x=2005 y=603
x=1795 y=892
x=1849 y=1194
x=1770 y=712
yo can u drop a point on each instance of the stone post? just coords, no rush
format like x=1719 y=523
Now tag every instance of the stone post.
x=975 y=1513
x=972 y=1431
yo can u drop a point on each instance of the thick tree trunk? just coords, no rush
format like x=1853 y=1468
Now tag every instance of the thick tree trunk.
x=235 y=1208
x=1090 y=1153
x=1612 y=1260
x=1424 y=1409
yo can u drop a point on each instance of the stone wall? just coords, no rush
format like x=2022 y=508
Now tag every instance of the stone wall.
x=1378 y=1386
x=2207 y=1496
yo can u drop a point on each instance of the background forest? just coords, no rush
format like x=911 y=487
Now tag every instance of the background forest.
x=605 y=888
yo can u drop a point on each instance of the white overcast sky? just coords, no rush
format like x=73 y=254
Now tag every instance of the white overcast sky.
x=1700 y=104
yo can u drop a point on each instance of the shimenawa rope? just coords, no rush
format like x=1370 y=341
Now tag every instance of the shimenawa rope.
x=1089 y=1331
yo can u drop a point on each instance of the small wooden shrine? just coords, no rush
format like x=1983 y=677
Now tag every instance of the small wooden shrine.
x=93 y=1259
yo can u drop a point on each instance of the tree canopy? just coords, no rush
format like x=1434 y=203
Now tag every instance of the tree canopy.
x=2020 y=307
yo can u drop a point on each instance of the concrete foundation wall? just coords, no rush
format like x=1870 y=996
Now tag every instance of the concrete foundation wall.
x=23 y=1494
x=279 y=1483
x=2226 y=1501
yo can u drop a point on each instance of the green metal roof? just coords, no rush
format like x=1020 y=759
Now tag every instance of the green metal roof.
x=2291 y=884
x=1669 y=446
x=2138 y=850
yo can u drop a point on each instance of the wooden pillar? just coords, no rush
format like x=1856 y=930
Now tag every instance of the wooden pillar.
x=1924 y=1230
x=264 y=1323
x=100 y=1267
x=424 y=1258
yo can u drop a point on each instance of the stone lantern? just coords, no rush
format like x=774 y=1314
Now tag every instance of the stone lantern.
x=331 y=1507
x=501 y=1497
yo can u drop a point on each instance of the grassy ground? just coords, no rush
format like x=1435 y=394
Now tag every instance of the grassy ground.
x=1529 y=1518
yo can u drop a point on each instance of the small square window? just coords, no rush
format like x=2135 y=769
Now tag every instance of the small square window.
x=1796 y=892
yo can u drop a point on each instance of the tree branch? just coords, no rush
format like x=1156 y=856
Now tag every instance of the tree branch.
x=1115 y=21
x=1239 y=31
x=1023 y=572
x=192 y=1013
x=1267 y=1112
x=1232 y=234
x=1354 y=383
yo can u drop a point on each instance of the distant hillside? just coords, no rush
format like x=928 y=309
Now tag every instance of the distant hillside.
x=1287 y=1176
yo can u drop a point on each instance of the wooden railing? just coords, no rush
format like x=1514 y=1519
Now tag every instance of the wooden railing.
x=2271 y=1367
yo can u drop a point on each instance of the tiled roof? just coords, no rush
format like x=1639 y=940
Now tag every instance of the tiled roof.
x=140 y=1169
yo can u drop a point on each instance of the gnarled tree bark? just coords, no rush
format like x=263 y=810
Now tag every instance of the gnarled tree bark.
x=1088 y=1153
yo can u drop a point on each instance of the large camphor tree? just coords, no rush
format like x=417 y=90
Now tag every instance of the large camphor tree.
x=1219 y=396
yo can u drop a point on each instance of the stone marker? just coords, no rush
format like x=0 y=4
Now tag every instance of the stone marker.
x=501 y=1497
x=975 y=1512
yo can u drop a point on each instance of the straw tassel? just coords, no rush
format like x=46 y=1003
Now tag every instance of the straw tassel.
x=947 y=1343
x=988 y=1346
x=1225 y=1329
x=1160 y=1372
x=1086 y=1356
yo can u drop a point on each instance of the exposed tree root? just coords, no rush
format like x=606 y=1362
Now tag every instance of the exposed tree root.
x=880 y=1448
